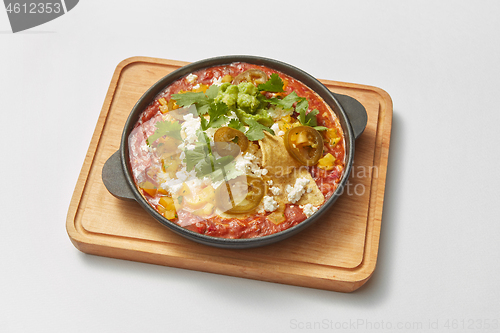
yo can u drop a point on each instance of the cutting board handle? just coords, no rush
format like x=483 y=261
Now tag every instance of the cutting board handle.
x=356 y=113
x=114 y=179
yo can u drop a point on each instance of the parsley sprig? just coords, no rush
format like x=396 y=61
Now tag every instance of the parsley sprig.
x=274 y=84
x=205 y=163
x=202 y=100
x=308 y=119
x=172 y=129
x=287 y=102
x=256 y=130
x=217 y=113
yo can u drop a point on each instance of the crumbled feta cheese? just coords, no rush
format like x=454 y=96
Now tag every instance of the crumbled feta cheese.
x=275 y=190
x=242 y=164
x=211 y=132
x=144 y=147
x=270 y=205
x=183 y=176
x=309 y=209
x=163 y=176
x=191 y=78
x=249 y=157
x=232 y=115
x=172 y=186
x=295 y=192
x=276 y=129
x=196 y=86
x=217 y=82
x=247 y=164
x=189 y=129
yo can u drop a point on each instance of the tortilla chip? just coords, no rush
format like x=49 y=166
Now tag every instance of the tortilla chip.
x=275 y=157
x=312 y=194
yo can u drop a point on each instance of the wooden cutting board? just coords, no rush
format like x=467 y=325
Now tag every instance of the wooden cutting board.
x=338 y=252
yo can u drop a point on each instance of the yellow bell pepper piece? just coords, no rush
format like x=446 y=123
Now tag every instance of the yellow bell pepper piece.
x=207 y=210
x=326 y=162
x=202 y=88
x=332 y=136
x=198 y=200
x=151 y=189
x=227 y=78
x=167 y=207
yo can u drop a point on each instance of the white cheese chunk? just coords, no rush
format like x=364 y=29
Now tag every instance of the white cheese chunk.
x=191 y=78
x=276 y=129
x=270 y=205
x=275 y=190
x=217 y=81
x=295 y=192
x=309 y=209
x=247 y=164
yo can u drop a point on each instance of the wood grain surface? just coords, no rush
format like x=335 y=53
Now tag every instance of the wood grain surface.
x=338 y=252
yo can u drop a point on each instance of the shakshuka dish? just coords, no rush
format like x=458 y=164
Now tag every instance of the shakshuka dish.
x=237 y=151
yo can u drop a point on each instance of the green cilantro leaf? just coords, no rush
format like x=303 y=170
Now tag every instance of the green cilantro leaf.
x=172 y=129
x=201 y=100
x=301 y=109
x=274 y=84
x=255 y=131
x=236 y=124
x=310 y=118
x=188 y=98
x=223 y=161
x=287 y=102
x=212 y=91
x=195 y=156
x=217 y=175
x=213 y=167
x=202 y=107
x=231 y=172
x=204 y=167
x=204 y=123
x=202 y=137
x=217 y=113
x=224 y=168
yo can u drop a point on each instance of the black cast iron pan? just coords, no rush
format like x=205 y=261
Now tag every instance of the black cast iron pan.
x=117 y=177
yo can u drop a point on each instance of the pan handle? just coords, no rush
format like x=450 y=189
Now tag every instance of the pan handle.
x=356 y=113
x=114 y=179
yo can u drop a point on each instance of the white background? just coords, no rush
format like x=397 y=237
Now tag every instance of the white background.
x=438 y=261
